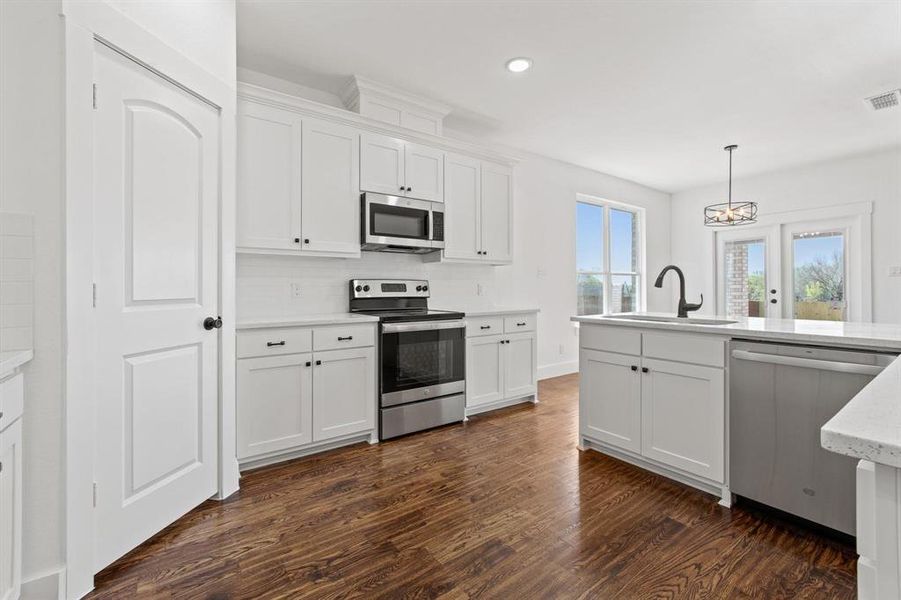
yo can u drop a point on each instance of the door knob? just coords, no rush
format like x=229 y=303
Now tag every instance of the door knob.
x=212 y=323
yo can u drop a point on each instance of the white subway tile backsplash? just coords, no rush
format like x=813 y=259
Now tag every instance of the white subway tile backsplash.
x=16 y=281
x=264 y=283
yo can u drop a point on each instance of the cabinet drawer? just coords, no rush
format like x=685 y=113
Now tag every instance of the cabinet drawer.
x=476 y=326
x=519 y=323
x=610 y=339
x=343 y=336
x=270 y=342
x=12 y=396
x=681 y=347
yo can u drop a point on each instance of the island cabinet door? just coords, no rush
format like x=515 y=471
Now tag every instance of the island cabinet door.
x=343 y=392
x=683 y=412
x=484 y=370
x=610 y=399
x=275 y=403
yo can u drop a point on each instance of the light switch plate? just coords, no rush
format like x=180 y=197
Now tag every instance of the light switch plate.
x=295 y=290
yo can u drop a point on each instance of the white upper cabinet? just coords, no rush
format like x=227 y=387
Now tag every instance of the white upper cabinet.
x=463 y=190
x=392 y=166
x=382 y=165
x=269 y=177
x=331 y=197
x=497 y=209
x=424 y=170
x=297 y=184
x=478 y=215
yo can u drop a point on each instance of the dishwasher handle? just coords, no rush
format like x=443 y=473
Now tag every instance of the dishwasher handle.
x=810 y=363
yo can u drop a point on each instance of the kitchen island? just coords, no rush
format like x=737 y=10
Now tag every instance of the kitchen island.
x=654 y=392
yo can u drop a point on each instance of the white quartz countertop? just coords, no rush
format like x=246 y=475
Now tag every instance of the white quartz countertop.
x=12 y=360
x=883 y=336
x=492 y=311
x=869 y=426
x=305 y=320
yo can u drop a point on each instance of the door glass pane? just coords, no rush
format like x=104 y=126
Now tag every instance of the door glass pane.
x=745 y=278
x=590 y=294
x=623 y=293
x=589 y=258
x=623 y=241
x=818 y=274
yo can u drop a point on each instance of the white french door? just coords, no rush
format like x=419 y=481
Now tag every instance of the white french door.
x=156 y=214
x=812 y=270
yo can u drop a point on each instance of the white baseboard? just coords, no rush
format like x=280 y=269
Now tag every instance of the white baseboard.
x=45 y=586
x=557 y=369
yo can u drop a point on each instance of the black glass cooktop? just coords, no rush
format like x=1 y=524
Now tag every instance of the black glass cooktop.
x=413 y=314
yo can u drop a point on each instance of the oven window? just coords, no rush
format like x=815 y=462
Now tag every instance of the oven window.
x=398 y=221
x=422 y=358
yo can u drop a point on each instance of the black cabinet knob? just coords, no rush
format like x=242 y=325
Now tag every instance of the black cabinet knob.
x=306 y=240
x=772 y=291
x=645 y=370
x=308 y=364
x=402 y=188
x=409 y=189
x=296 y=240
x=212 y=323
x=634 y=367
x=318 y=362
x=773 y=301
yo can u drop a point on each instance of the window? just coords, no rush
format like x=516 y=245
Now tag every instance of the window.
x=818 y=275
x=609 y=248
x=745 y=277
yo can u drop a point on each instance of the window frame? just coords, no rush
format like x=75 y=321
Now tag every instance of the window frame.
x=606 y=274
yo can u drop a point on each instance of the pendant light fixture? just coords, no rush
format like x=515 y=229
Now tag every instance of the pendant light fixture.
x=726 y=214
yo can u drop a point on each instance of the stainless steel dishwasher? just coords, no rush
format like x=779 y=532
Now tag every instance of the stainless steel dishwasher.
x=780 y=395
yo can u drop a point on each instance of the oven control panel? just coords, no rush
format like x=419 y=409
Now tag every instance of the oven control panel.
x=389 y=288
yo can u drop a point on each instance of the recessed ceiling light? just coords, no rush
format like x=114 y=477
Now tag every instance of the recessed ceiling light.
x=519 y=64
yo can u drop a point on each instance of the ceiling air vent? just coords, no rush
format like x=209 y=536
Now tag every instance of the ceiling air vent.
x=886 y=100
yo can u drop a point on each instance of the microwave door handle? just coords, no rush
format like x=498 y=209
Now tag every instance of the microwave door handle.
x=431 y=220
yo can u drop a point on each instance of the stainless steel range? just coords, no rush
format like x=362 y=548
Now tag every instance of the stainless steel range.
x=422 y=355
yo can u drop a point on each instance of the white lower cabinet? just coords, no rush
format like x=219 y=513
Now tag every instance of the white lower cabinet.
x=610 y=398
x=275 y=403
x=292 y=403
x=11 y=402
x=670 y=412
x=500 y=367
x=343 y=393
x=683 y=416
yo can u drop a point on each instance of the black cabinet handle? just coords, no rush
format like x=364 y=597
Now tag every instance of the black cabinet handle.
x=318 y=362
x=308 y=364
x=773 y=301
x=271 y=344
x=520 y=324
x=634 y=367
x=296 y=240
x=211 y=323
x=485 y=327
x=306 y=240
x=645 y=370
x=343 y=339
x=402 y=188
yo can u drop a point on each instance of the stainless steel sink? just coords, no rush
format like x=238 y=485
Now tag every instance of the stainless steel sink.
x=680 y=320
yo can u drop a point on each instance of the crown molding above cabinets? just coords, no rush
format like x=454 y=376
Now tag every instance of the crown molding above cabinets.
x=302 y=166
x=392 y=105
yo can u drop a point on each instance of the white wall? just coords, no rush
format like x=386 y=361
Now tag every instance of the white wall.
x=872 y=177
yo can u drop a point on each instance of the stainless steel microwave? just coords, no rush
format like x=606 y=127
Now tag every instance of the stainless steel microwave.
x=398 y=224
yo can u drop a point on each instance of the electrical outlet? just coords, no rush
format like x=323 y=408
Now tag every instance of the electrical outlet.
x=541 y=274
x=295 y=290
x=480 y=289
x=562 y=349
x=894 y=271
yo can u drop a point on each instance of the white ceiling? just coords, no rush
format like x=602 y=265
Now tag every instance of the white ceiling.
x=648 y=91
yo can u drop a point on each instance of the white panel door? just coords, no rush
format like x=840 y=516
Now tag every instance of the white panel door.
x=462 y=193
x=520 y=365
x=269 y=177
x=11 y=511
x=382 y=165
x=610 y=398
x=344 y=390
x=156 y=215
x=424 y=172
x=484 y=370
x=497 y=212
x=331 y=194
x=275 y=403
x=683 y=412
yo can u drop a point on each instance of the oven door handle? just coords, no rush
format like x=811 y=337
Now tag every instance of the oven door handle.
x=422 y=326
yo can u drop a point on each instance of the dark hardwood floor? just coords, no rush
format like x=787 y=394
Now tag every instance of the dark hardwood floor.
x=503 y=506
